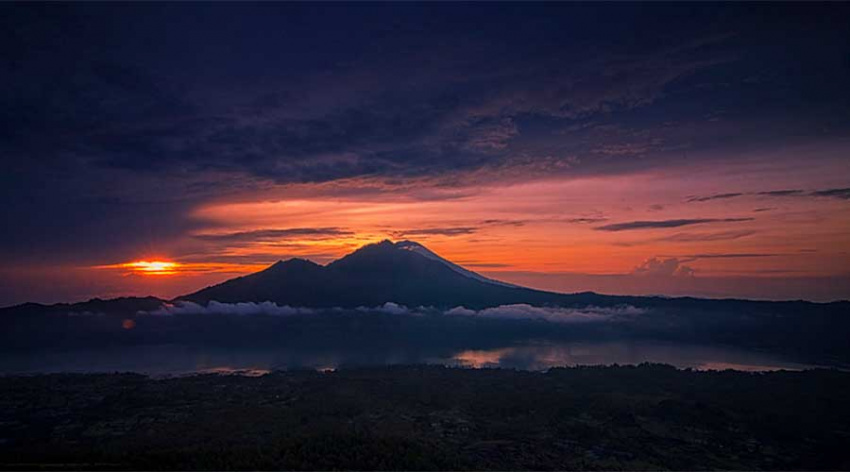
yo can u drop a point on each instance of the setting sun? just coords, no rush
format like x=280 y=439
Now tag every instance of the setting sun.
x=152 y=267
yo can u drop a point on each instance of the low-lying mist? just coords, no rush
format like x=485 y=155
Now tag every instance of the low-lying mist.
x=523 y=311
x=801 y=332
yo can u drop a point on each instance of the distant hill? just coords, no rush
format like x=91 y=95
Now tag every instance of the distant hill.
x=112 y=306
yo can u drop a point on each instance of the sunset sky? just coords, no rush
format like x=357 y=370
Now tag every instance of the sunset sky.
x=677 y=149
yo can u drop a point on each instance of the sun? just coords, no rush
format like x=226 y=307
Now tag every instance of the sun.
x=152 y=267
x=160 y=267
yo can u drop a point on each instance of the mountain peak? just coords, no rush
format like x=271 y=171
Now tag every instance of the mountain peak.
x=292 y=263
x=407 y=244
x=385 y=244
x=404 y=272
x=417 y=248
x=383 y=247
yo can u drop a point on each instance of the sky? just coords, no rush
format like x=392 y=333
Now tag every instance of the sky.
x=677 y=149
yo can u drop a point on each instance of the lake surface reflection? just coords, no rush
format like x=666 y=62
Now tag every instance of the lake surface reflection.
x=176 y=359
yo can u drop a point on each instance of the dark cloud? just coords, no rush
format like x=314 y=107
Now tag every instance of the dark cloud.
x=719 y=196
x=258 y=258
x=729 y=255
x=477 y=105
x=275 y=234
x=453 y=231
x=839 y=193
x=782 y=193
x=639 y=225
x=498 y=222
x=218 y=258
x=585 y=220
x=483 y=265
x=704 y=237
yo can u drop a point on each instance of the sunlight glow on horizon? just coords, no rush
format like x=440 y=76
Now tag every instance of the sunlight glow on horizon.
x=160 y=268
x=152 y=267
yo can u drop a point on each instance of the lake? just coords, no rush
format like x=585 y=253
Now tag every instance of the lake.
x=184 y=359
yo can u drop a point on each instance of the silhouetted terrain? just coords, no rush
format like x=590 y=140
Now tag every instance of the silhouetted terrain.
x=372 y=275
x=423 y=418
x=400 y=296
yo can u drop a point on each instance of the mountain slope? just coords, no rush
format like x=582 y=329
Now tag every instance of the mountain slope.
x=405 y=273
x=298 y=281
x=422 y=250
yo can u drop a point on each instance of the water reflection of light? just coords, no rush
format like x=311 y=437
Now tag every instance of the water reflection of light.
x=182 y=360
x=542 y=356
x=479 y=359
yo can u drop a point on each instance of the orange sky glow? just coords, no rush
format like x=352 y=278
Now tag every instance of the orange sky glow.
x=520 y=232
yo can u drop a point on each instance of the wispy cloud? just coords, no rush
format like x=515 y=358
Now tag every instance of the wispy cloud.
x=451 y=231
x=676 y=266
x=483 y=265
x=588 y=314
x=719 y=196
x=781 y=193
x=640 y=225
x=701 y=237
x=275 y=234
x=585 y=220
x=839 y=193
x=665 y=267
x=500 y=222
x=729 y=255
x=240 y=309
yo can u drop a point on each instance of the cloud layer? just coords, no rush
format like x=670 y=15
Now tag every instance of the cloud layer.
x=513 y=312
x=836 y=193
x=665 y=267
x=638 y=225
x=240 y=309
x=553 y=314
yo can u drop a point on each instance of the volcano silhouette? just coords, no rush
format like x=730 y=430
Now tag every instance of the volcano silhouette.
x=404 y=272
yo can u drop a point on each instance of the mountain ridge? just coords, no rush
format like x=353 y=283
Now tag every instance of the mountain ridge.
x=405 y=272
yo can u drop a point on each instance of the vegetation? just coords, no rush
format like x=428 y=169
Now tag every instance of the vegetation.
x=429 y=417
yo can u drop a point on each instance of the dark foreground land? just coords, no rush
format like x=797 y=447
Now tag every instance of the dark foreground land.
x=646 y=417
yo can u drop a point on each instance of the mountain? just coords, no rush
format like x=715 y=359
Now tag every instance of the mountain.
x=405 y=272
